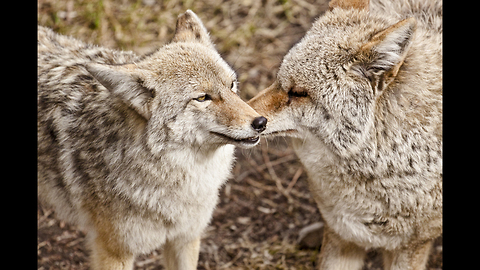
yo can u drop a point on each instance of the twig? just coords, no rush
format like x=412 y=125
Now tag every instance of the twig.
x=260 y=168
x=260 y=185
x=271 y=171
x=294 y=180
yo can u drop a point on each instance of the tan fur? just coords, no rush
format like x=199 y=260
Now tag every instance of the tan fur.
x=361 y=95
x=336 y=254
x=183 y=256
x=271 y=99
x=134 y=149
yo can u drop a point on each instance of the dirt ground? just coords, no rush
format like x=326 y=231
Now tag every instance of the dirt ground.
x=266 y=203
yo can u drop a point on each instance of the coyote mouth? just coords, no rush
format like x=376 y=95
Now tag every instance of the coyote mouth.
x=249 y=140
x=280 y=133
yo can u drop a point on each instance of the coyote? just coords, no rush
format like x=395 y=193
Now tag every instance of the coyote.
x=133 y=149
x=361 y=95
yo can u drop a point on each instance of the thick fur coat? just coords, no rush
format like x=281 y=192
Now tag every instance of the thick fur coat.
x=361 y=94
x=134 y=149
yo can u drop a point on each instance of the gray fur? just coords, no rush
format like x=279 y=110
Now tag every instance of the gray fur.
x=127 y=147
x=362 y=95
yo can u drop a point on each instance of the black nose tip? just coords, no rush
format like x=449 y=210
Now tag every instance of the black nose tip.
x=259 y=123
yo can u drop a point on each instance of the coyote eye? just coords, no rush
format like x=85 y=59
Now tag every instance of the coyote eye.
x=296 y=92
x=232 y=85
x=203 y=98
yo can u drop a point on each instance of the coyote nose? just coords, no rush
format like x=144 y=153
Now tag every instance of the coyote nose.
x=259 y=123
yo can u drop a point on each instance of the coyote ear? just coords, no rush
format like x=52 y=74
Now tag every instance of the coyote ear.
x=191 y=29
x=124 y=82
x=346 y=4
x=385 y=52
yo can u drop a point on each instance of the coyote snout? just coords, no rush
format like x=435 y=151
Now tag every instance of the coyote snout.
x=274 y=103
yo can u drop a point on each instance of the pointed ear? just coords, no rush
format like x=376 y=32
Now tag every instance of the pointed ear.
x=383 y=55
x=124 y=81
x=191 y=29
x=346 y=4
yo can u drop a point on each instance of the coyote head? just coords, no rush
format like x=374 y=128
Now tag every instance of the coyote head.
x=185 y=92
x=328 y=84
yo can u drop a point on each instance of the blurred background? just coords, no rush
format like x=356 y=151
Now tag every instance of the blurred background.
x=266 y=203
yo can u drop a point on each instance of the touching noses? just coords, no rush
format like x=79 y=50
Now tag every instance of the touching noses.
x=259 y=124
